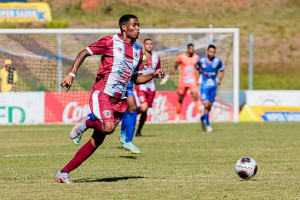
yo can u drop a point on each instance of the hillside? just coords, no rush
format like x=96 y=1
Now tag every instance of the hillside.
x=274 y=23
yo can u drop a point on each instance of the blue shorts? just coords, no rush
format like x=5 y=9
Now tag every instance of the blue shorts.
x=129 y=92
x=208 y=94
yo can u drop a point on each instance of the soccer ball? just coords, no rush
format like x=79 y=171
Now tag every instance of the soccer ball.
x=246 y=168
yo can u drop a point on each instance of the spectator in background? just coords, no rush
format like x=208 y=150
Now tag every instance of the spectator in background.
x=8 y=77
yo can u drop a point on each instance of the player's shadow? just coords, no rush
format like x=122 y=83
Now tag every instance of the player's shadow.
x=129 y=157
x=147 y=136
x=113 y=179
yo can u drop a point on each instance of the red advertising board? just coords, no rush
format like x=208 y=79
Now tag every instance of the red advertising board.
x=66 y=107
x=72 y=106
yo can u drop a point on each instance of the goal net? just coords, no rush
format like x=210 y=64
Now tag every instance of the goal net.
x=43 y=57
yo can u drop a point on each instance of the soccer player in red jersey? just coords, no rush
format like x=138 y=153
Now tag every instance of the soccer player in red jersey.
x=188 y=77
x=120 y=62
x=146 y=92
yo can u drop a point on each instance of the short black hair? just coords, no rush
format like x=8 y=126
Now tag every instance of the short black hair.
x=190 y=45
x=211 y=46
x=125 y=18
x=147 y=39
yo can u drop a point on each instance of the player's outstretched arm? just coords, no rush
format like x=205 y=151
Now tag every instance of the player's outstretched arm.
x=166 y=78
x=142 y=78
x=68 y=80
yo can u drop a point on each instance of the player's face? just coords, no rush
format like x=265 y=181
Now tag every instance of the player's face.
x=190 y=50
x=148 y=45
x=133 y=28
x=211 y=53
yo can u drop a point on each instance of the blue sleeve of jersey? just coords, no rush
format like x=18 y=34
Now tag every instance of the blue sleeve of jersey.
x=221 y=66
x=198 y=66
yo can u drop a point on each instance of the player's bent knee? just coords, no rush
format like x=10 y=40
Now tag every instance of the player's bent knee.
x=144 y=107
x=132 y=108
x=108 y=128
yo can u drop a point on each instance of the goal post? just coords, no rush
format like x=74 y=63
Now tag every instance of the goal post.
x=56 y=49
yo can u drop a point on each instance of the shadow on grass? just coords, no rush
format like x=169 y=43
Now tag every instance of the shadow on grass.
x=129 y=157
x=113 y=179
x=248 y=180
x=146 y=136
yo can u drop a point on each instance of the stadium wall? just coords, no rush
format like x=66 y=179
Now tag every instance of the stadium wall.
x=57 y=107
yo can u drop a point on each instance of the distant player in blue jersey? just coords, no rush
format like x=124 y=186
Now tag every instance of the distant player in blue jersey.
x=208 y=67
x=129 y=122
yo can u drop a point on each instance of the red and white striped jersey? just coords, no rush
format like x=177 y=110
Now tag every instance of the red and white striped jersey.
x=120 y=60
x=154 y=64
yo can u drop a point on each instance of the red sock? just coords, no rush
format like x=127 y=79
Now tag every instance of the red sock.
x=97 y=125
x=82 y=154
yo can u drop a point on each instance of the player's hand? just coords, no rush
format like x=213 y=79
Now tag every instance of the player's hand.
x=67 y=82
x=159 y=73
x=164 y=81
x=218 y=81
x=145 y=64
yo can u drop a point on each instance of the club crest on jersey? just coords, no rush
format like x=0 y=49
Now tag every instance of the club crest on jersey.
x=203 y=66
x=136 y=56
x=142 y=98
x=107 y=113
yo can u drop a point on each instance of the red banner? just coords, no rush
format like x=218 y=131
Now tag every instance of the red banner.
x=66 y=107
x=72 y=106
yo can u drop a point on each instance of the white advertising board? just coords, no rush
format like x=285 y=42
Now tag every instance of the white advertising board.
x=22 y=108
x=273 y=97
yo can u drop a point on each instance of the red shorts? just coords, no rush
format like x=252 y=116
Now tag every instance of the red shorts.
x=106 y=108
x=183 y=88
x=146 y=96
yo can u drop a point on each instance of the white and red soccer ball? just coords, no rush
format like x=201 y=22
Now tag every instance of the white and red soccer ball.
x=246 y=168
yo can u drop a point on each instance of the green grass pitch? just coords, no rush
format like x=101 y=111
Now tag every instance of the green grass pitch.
x=178 y=161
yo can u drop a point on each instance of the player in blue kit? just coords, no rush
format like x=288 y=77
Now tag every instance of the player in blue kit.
x=208 y=67
x=129 y=122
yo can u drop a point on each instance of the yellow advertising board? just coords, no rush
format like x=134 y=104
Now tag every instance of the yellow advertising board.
x=25 y=12
x=270 y=114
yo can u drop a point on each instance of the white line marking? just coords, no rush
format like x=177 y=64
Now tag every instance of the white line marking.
x=37 y=154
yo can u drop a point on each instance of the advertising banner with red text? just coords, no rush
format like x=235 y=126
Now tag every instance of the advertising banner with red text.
x=72 y=106
x=61 y=107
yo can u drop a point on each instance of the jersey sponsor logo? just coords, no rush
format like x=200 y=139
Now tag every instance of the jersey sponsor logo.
x=203 y=66
x=188 y=74
x=210 y=82
x=107 y=113
x=211 y=74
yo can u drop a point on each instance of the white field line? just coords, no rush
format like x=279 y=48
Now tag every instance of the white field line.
x=46 y=154
x=35 y=154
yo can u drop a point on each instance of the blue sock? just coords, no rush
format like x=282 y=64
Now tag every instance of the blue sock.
x=206 y=119
x=130 y=125
x=124 y=119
